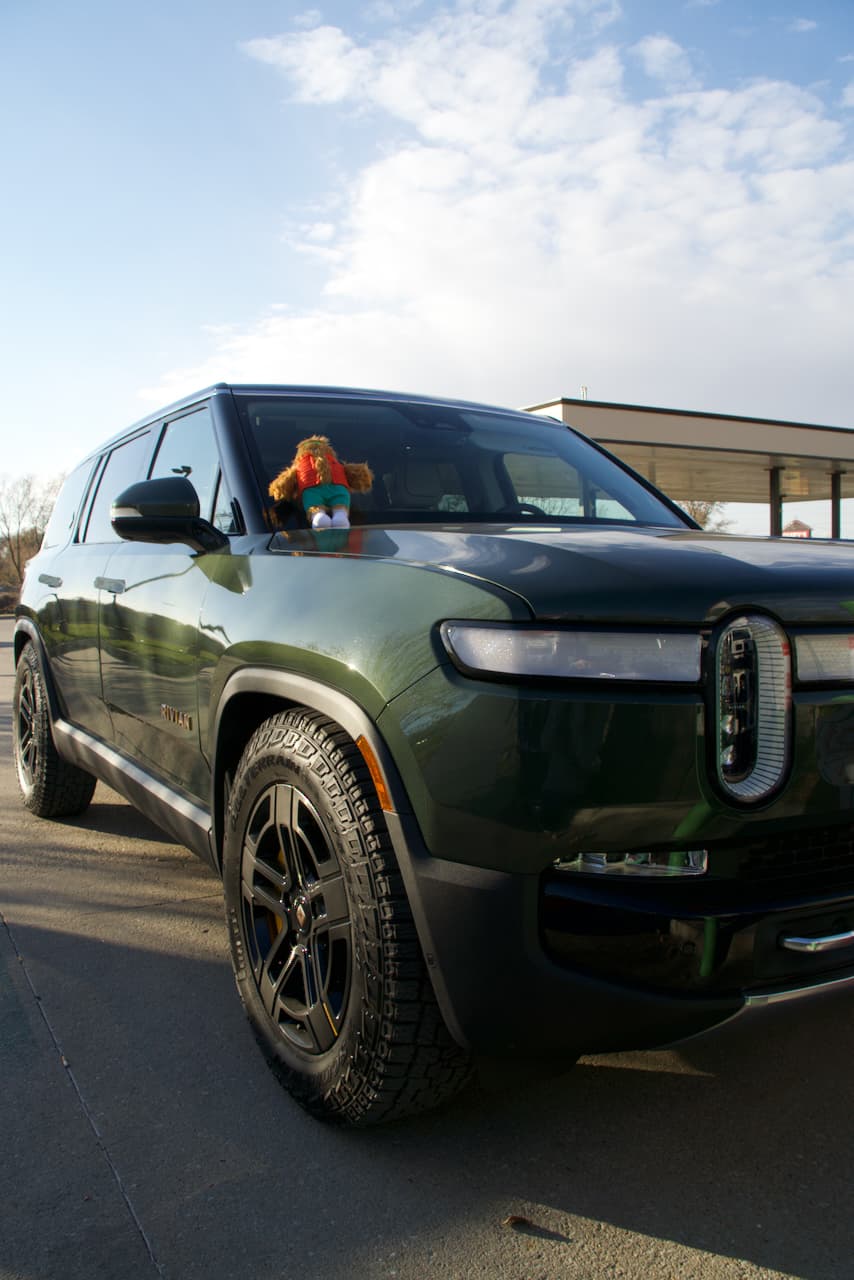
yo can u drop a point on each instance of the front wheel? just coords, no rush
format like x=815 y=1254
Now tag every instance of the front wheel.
x=325 y=953
x=51 y=786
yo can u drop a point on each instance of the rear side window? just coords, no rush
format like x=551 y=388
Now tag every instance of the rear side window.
x=61 y=524
x=126 y=463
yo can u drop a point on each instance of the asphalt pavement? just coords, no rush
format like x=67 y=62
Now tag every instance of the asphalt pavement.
x=143 y=1136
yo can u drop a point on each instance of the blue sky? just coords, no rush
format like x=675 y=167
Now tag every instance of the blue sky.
x=495 y=199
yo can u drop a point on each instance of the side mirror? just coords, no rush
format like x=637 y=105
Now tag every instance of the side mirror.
x=164 y=510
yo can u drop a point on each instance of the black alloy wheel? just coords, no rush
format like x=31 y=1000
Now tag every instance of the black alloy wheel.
x=296 y=919
x=51 y=787
x=26 y=730
x=325 y=953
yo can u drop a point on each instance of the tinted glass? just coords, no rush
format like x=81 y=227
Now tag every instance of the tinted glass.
x=125 y=464
x=434 y=463
x=224 y=515
x=63 y=519
x=188 y=448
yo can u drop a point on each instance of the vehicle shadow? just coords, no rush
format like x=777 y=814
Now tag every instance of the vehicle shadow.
x=109 y=815
x=737 y=1144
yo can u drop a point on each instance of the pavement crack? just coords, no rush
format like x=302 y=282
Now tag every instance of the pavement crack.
x=90 y=1119
x=122 y=908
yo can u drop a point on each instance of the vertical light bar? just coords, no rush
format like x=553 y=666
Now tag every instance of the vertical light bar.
x=754 y=697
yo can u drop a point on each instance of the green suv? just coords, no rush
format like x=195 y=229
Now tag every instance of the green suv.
x=508 y=760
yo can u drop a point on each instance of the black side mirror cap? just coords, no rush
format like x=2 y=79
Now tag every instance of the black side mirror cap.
x=162 y=511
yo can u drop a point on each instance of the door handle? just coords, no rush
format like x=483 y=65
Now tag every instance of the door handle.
x=811 y=946
x=115 y=586
x=48 y=580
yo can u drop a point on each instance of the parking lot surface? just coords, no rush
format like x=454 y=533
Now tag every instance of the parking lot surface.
x=143 y=1136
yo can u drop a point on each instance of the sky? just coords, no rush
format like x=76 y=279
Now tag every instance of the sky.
x=503 y=200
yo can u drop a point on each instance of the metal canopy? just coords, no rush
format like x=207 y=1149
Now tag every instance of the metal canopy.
x=721 y=458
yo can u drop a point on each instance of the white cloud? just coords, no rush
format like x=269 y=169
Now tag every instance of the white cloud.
x=848 y=95
x=802 y=25
x=516 y=236
x=324 y=63
x=309 y=18
x=663 y=59
x=391 y=10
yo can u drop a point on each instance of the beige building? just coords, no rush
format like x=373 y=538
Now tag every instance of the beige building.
x=714 y=457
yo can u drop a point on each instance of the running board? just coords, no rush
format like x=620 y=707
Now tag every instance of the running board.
x=183 y=819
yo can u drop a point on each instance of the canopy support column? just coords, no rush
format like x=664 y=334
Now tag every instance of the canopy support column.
x=775 y=498
x=836 y=504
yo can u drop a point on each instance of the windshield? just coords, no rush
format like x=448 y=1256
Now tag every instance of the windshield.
x=435 y=463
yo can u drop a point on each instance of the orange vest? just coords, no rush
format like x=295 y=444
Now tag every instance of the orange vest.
x=307 y=472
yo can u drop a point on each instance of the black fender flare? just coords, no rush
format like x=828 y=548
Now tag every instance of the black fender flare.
x=27 y=628
x=301 y=691
x=411 y=852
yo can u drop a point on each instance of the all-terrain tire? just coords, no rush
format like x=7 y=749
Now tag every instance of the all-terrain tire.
x=324 y=948
x=51 y=786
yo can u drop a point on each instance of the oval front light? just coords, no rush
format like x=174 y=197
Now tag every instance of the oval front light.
x=753 y=688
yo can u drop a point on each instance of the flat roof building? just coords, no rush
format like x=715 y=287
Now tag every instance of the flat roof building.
x=715 y=457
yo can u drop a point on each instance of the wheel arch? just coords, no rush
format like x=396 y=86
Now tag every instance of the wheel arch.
x=251 y=696
x=26 y=632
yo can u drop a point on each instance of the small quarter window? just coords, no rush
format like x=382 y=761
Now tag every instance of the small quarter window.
x=61 y=524
x=125 y=464
x=224 y=515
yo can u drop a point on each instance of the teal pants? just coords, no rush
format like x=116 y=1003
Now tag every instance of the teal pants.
x=325 y=495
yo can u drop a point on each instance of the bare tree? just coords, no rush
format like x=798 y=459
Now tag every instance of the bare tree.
x=25 y=506
x=709 y=515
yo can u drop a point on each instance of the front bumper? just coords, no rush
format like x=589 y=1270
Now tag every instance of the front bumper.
x=533 y=966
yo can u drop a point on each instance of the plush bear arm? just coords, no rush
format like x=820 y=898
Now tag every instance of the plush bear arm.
x=359 y=475
x=285 y=486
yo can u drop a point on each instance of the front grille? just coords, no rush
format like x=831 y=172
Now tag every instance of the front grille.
x=819 y=858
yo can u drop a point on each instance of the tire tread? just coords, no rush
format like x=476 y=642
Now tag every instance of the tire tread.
x=405 y=1060
x=60 y=789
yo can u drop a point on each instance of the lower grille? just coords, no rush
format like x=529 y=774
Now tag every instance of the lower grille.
x=817 y=857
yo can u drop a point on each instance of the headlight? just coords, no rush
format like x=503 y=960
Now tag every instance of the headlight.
x=754 y=699
x=668 y=657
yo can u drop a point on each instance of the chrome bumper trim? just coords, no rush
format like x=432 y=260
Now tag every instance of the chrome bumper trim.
x=759 y=998
x=828 y=942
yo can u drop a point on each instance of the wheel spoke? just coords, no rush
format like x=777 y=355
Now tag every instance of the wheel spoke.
x=27 y=730
x=262 y=853
x=329 y=899
x=316 y=1019
x=297 y=917
x=255 y=869
x=339 y=932
x=305 y=872
x=336 y=976
x=277 y=971
x=321 y=1027
x=271 y=901
x=262 y=932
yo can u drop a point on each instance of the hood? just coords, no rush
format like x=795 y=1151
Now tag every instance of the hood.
x=619 y=573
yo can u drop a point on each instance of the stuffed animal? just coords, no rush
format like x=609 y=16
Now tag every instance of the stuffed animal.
x=322 y=483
